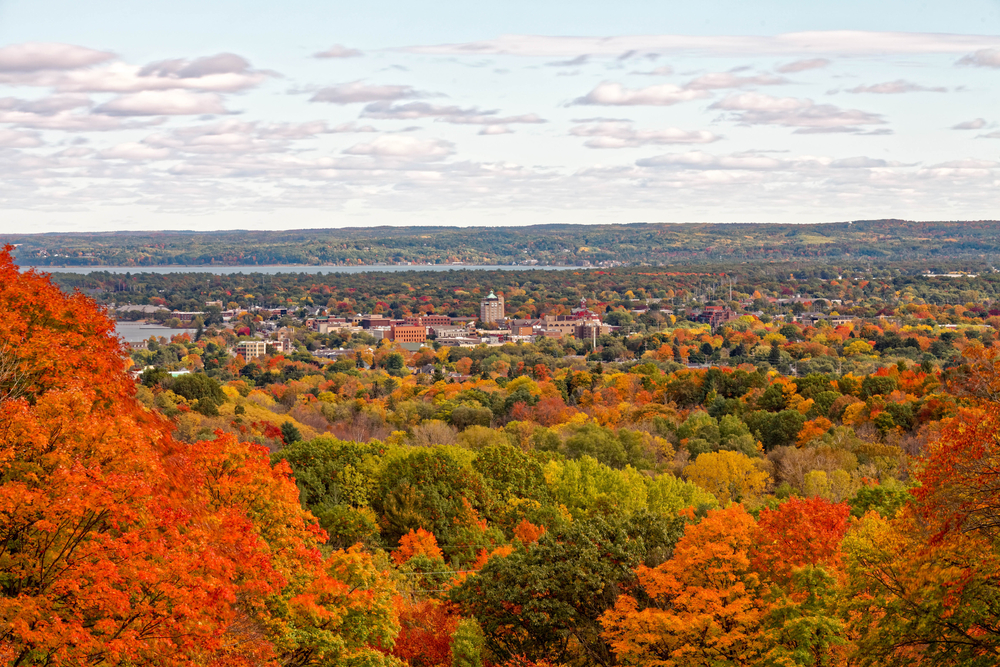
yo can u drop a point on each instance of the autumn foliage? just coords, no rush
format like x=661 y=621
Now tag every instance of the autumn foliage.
x=120 y=545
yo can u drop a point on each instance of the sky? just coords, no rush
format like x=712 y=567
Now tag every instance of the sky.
x=222 y=114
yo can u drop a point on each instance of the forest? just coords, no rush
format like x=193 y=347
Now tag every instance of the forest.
x=556 y=245
x=766 y=492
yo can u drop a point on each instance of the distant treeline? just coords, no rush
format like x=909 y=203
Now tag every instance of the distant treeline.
x=562 y=245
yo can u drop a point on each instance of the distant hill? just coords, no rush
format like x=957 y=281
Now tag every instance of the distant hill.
x=558 y=244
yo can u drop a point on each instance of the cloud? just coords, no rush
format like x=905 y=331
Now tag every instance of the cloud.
x=163 y=103
x=975 y=124
x=15 y=139
x=729 y=80
x=223 y=72
x=39 y=56
x=45 y=106
x=572 y=62
x=404 y=147
x=355 y=91
x=990 y=135
x=448 y=114
x=338 y=51
x=615 y=94
x=222 y=63
x=135 y=151
x=967 y=164
x=827 y=42
x=662 y=70
x=895 y=88
x=706 y=161
x=623 y=135
x=859 y=162
x=56 y=113
x=232 y=136
x=351 y=126
x=495 y=129
x=487 y=119
x=804 y=114
x=414 y=110
x=803 y=65
x=982 y=58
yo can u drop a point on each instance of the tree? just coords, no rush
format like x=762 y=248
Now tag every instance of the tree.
x=729 y=476
x=704 y=607
x=425 y=637
x=467 y=644
x=799 y=532
x=544 y=602
x=807 y=630
x=290 y=433
x=124 y=546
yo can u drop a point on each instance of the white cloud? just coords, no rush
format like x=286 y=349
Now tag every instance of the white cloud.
x=39 y=56
x=895 y=88
x=487 y=119
x=860 y=162
x=975 y=124
x=982 y=58
x=623 y=135
x=572 y=62
x=967 y=164
x=804 y=114
x=803 y=65
x=355 y=91
x=56 y=113
x=15 y=139
x=828 y=42
x=236 y=137
x=729 y=80
x=223 y=72
x=448 y=114
x=706 y=161
x=222 y=63
x=404 y=147
x=135 y=151
x=45 y=106
x=662 y=70
x=615 y=94
x=495 y=129
x=338 y=51
x=163 y=103
x=990 y=135
x=414 y=110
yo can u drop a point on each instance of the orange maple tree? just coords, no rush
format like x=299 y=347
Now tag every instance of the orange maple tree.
x=705 y=606
x=801 y=531
x=120 y=545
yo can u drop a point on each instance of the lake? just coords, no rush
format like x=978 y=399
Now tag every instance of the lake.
x=133 y=332
x=271 y=270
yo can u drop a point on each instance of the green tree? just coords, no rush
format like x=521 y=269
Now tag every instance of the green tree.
x=544 y=602
x=467 y=644
x=290 y=433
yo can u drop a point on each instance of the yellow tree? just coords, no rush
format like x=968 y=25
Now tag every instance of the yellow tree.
x=704 y=607
x=729 y=476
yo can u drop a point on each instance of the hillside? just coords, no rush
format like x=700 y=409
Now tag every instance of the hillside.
x=563 y=245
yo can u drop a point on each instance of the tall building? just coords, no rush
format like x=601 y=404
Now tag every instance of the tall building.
x=491 y=308
x=251 y=349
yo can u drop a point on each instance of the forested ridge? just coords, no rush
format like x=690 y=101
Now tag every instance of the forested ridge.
x=524 y=505
x=556 y=244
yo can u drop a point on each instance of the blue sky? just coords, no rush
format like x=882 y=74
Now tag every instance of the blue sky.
x=223 y=115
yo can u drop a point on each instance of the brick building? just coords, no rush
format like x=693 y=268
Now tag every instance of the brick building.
x=428 y=321
x=402 y=333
